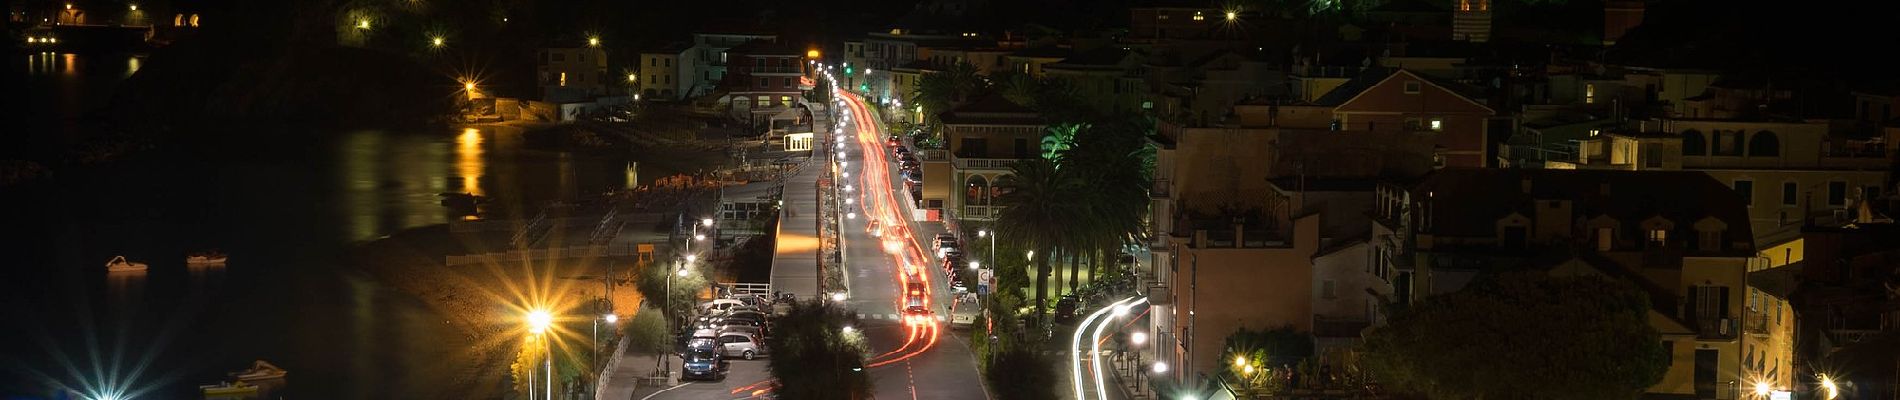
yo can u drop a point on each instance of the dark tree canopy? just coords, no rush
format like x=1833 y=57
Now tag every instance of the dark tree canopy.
x=1523 y=335
x=813 y=358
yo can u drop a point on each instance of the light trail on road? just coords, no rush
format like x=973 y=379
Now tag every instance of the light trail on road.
x=898 y=241
x=1075 y=345
x=1095 y=348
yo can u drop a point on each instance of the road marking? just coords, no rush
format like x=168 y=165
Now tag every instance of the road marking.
x=891 y=316
x=666 y=389
x=860 y=315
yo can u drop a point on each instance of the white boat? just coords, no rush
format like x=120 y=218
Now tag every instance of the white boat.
x=212 y=257
x=120 y=264
x=228 y=389
x=260 y=370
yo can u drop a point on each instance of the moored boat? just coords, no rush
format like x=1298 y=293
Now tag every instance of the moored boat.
x=228 y=389
x=211 y=257
x=260 y=370
x=120 y=264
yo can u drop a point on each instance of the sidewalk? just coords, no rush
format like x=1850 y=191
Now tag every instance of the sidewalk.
x=625 y=381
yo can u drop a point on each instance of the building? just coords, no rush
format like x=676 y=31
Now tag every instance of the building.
x=1787 y=171
x=1031 y=60
x=1104 y=79
x=1401 y=101
x=1471 y=20
x=1847 y=302
x=1155 y=24
x=664 y=72
x=709 y=58
x=1256 y=206
x=1619 y=16
x=568 y=74
x=985 y=137
x=764 y=79
x=1679 y=235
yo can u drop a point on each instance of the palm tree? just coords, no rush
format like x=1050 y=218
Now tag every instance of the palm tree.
x=1112 y=161
x=939 y=91
x=1039 y=209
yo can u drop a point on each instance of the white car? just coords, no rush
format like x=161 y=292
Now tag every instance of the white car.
x=740 y=344
x=719 y=305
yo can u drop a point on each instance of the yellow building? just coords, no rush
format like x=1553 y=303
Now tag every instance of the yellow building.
x=1681 y=236
x=985 y=137
x=1786 y=171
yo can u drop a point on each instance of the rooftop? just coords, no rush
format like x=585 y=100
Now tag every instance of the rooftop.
x=1469 y=202
x=993 y=109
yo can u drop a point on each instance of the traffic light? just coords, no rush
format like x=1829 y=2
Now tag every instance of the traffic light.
x=847 y=70
x=864 y=87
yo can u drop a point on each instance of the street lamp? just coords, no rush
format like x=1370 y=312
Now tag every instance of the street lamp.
x=986 y=233
x=435 y=42
x=593 y=41
x=1827 y=384
x=974 y=266
x=1160 y=367
x=538 y=323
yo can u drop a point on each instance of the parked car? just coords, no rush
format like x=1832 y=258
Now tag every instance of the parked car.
x=1065 y=309
x=703 y=364
x=943 y=240
x=742 y=345
x=893 y=141
x=719 y=305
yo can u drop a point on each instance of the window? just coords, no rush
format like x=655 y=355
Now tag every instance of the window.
x=1411 y=87
x=1328 y=289
x=1413 y=124
x=1658 y=238
x=1438 y=125
x=785 y=101
x=1747 y=189
x=1589 y=93
x=653 y=62
x=765 y=82
x=563 y=79
x=1870 y=193
x=1709 y=240
x=1788 y=190
x=1595 y=132
x=558 y=56
x=1764 y=144
x=787 y=82
x=1693 y=144
x=1836 y=193
x=669 y=62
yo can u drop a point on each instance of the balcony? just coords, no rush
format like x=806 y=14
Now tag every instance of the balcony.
x=777 y=70
x=994 y=164
x=981 y=213
x=1755 y=323
x=931 y=155
x=1717 y=329
x=1162 y=189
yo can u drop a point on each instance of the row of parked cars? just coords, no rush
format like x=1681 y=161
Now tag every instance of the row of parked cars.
x=725 y=328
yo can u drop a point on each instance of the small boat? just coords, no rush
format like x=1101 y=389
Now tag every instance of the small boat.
x=260 y=370
x=228 y=389
x=119 y=264
x=211 y=257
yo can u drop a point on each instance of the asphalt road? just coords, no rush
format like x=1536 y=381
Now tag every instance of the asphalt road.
x=912 y=360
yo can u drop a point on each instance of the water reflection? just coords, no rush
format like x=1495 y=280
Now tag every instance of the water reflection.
x=468 y=160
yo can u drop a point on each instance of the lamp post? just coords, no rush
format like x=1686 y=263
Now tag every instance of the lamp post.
x=594 y=355
x=539 y=321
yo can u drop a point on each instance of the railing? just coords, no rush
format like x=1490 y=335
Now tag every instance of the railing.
x=1718 y=328
x=777 y=70
x=1755 y=322
x=981 y=212
x=932 y=154
x=984 y=163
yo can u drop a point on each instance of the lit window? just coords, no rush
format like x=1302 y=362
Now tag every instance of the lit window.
x=1589 y=93
x=563 y=79
x=1438 y=124
x=1163 y=17
x=1594 y=132
x=1658 y=237
x=1411 y=87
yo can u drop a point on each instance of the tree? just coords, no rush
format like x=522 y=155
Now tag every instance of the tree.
x=1022 y=373
x=1039 y=202
x=939 y=91
x=652 y=283
x=647 y=333
x=1523 y=335
x=813 y=357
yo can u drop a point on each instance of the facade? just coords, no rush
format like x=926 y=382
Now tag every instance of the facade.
x=663 y=73
x=1152 y=24
x=1471 y=20
x=1788 y=172
x=1031 y=60
x=1401 y=101
x=985 y=137
x=709 y=59
x=1103 y=79
x=572 y=73
x=764 y=79
x=1847 y=302
x=1679 y=235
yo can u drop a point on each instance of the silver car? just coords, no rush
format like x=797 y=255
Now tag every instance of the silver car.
x=742 y=345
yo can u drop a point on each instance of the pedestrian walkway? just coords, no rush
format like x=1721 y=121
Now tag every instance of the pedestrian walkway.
x=629 y=376
x=795 y=260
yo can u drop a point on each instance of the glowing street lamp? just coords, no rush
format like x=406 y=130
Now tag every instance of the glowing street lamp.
x=362 y=23
x=539 y=321
x=1138 y=338
x=1232 y=15
x=593 y=41
x=691 y=257
x=974 y=266
x=1240 y=361
x=1827 y=384
x=839 y=296
x=1160 y=367
x=706 y=221
x=435 y=42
